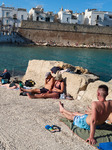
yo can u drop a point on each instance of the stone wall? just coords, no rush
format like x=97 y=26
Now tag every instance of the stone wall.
x=63 y=34
x=65 y=27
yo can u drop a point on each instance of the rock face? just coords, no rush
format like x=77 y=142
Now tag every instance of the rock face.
x=37 y=69
x=91 y=92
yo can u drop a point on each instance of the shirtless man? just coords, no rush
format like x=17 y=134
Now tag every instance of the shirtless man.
x=49 y=82
x=99 y=113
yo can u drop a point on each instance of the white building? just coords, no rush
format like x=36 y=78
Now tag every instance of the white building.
x=107 y=19
x=100 y=18
x=80 y=17
x=38 y=14
x=68 y=16
x=11 y=17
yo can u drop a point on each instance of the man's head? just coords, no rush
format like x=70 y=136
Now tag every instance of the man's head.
x=5 y=70
x=48 y=75
x=102 y=91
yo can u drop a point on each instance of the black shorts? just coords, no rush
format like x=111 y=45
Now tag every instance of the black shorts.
x=12 y=84
x=44 y=90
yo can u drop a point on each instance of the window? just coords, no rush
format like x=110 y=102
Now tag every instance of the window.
x=7 y=21
x=14 y=16
x=22 y=17
x=110 y=17
x=7 y=14
x=37 y=18
x=48 y=19
x=74 y=17
x=97 y=17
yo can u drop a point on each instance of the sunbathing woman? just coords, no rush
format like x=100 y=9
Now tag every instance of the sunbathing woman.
x=56 y=91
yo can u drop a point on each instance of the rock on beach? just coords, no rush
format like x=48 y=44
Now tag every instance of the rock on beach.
x=37 y=69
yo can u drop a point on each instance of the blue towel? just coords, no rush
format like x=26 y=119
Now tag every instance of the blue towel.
x=105 y=146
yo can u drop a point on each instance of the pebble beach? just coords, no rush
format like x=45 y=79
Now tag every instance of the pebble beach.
x=23 y=122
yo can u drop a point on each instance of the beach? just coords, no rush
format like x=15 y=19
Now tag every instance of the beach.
x=23 y=122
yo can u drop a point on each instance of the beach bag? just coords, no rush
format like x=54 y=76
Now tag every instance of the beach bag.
x=63 y=96
x=4 y=81
x=29 y=83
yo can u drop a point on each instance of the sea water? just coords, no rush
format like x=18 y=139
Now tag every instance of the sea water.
x=15 y=58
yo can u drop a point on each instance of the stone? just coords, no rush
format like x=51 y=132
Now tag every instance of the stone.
x=82 y=70
x=37 y=69
x=76 y=83
x=91 y=92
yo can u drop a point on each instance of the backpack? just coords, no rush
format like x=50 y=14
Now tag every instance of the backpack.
x=29 y=83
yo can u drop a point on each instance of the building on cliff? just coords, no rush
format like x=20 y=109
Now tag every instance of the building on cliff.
x=89 y=17
x=38 y=14
x=68 y=16
x=99 y=18
x=11 y=18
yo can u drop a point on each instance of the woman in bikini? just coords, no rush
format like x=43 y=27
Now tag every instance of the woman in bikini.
x=57 y=89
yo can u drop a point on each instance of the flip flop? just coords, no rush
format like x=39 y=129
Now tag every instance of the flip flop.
x=53 y=128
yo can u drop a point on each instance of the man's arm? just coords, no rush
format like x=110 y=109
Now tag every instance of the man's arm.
x=92 y=125
x=52 y=84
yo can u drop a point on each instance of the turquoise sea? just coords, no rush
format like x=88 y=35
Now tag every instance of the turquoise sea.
x=15 y=58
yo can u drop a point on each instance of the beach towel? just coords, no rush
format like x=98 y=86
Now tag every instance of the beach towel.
x=105 y=146
x=102 y=135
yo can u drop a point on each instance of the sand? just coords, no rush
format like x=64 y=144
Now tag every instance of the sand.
x=23 y=120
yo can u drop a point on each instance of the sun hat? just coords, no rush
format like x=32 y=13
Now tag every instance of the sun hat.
x=47 y=74
x=58 y=76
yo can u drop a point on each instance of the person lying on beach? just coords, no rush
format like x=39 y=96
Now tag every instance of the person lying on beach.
x=99 y=113
x=49 y=82
x=57 y=89
x=12 y=85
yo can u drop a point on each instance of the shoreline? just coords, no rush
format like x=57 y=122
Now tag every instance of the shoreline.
x=45 y=44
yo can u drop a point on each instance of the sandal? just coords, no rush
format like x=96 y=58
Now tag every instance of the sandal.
x=53 y=128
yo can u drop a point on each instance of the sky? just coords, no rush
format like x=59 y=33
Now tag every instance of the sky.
x=55 y=5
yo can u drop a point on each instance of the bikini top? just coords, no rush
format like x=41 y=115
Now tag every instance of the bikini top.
x=57 y=86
